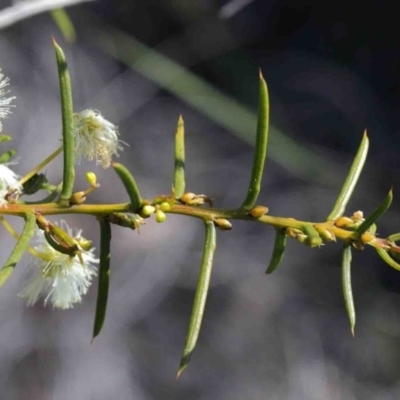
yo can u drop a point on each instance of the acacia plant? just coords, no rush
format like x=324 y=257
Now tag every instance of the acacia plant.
x=63 y=262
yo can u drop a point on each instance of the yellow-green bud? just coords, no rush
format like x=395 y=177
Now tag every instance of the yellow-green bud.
x=343 y=222
x=187 y=197
x=147 y=210
x=160 y=216
x=258 y=211
x=223 y=224
x=367 y=237
x=165 y=206
x=77 y=198
x=195 y=199
x=91 y=178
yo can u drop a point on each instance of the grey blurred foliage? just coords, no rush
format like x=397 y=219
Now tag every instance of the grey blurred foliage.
x=283 y=336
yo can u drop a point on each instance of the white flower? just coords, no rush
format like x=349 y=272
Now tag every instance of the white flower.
x=8 y=183
x=5 y=102
x=57 y=277
x=95 y=138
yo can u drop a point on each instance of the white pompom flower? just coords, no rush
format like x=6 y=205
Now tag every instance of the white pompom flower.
x=5 y=102
x=95 y=138
x=58 y=278
x=8 y=183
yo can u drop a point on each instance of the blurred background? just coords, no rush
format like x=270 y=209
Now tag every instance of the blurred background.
x=332 y=71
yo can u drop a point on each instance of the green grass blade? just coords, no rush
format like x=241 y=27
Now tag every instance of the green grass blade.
x=19 y=249
x=213 y=103
x=104 y=276
x=179 y=172
x=67 y=112
x=200 y=298
x=351 y=180
x=260 y=151
x=371 y=219
x=278 y=251
x=65 y=24
x=347 y=288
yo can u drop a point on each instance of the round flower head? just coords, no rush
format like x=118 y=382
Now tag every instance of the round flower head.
x=57 y=277
x=5 y=102
x=95 y=138
x=8 y=183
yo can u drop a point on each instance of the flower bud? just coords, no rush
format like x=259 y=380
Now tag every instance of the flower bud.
x=147 y=210
x=367 y=237
x=187 y=198
x=165 y=206
x=77 y=198
x=258 y=211
x=223 y=224
x=91 y=178
x=343 y=222
x=160 y=216
x=358 y=216
x=195 y=199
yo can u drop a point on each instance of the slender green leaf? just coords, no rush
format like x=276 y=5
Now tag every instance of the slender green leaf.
x=179 y=174
x=19 y=249
x=260 y=150
x=386 y=257
x=371 y=219
x=346 y=286
x=313 y=237
x=351 y=180
x=104 y=276
x=130 y=185
x=67 y=126
x=200 y=298
x=278 y=251
x=64 y=23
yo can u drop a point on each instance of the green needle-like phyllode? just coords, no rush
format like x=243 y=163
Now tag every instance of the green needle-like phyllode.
x=67 y=126
x=200 y=298
x=179 y=171
x=104 y=276
x=260 y=151
x=346 y=286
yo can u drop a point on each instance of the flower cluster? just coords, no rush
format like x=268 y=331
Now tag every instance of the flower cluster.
x=9 y=183
x=8 y=179
x=5 y=102
x=59 y=278
x=95 y=138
